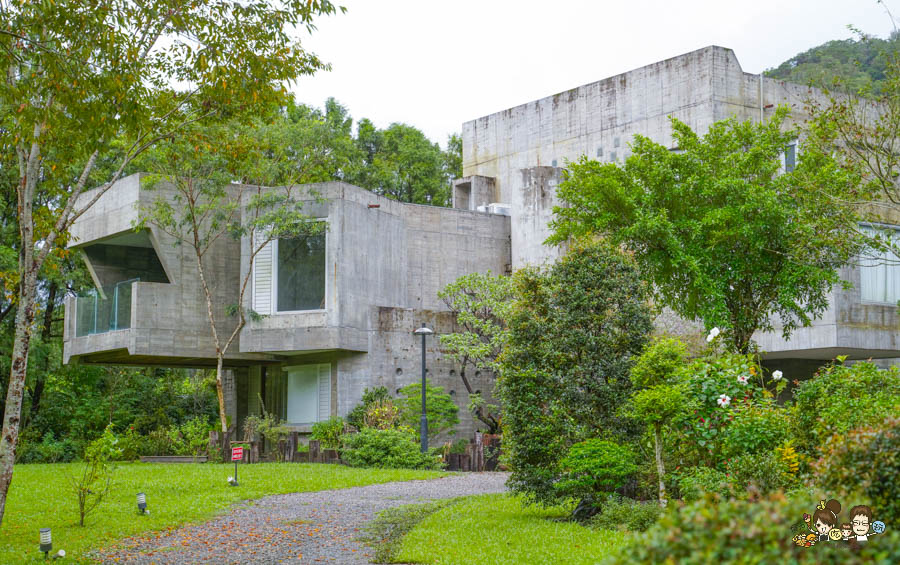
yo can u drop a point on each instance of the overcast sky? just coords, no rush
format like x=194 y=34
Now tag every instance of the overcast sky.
x=436 y=64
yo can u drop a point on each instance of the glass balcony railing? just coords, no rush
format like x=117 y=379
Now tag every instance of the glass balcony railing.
x=97 y=313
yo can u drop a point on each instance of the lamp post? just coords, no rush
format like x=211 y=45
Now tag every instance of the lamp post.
x=46 y=541
x=423 y=425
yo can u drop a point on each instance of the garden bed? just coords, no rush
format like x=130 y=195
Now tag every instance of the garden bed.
x=174 y=459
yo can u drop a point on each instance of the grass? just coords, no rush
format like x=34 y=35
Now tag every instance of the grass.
x=500 y=529
x=385 y=533
x=41 y=497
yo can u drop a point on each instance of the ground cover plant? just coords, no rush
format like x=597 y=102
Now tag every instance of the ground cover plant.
x=176 y=494
x=385 y=533
x=501 y=529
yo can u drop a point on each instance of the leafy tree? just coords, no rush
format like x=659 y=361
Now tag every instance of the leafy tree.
x=723 y=233
x=573 y=334
x=88 y=84
x=204 y=208
x=659 y=395
x=481 y=305
x=442 y=412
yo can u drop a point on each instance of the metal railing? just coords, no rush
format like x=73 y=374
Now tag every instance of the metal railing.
x=100 y=312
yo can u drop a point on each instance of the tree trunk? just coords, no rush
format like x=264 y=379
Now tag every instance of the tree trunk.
x=220 y=393
x=660 y=469
x=14 y=393
x=38 y=390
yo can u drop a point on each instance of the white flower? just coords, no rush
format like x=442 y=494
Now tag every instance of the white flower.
x=713 y=333
x=776 y=375
x=742 y=379
x=723 y=400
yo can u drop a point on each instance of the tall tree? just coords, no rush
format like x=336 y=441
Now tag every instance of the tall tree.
x=205 y=208
x=724 y=233
x=89 y=82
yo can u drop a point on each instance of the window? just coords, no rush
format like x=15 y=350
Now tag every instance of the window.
x=790 y=157
x=308 y=393
x=289 y=275
x=301 y=273
x=880 y=270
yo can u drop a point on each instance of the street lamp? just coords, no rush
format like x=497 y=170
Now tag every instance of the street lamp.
x=423 y=426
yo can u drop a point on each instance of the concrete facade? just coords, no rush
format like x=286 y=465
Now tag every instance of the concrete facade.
x=385 y=261
x=521 y=152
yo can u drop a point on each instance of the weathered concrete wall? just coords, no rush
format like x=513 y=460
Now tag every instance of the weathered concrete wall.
x=169 y=322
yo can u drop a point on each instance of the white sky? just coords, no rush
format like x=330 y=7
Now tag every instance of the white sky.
x=436 y=64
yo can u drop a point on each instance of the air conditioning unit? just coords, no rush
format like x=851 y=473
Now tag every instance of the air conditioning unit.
x=483 y=208
x=498 y=208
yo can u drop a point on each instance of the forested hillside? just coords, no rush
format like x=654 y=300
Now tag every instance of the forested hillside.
x=852 y=64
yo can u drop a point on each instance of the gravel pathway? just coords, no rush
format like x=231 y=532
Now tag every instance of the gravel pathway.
x=309 y=527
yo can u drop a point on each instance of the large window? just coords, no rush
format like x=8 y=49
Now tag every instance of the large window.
x=880 y=270
x=289 y=275
x=301 y=273
x=308 y=393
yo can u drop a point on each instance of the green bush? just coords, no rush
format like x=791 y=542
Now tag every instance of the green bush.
x=840 y=398
x=735 y=531
x=696 y=482
x=755 y=427
x=46 y=450
x=386 y=449
x=764 y=471
x=865 y=461
x=624 y=514
x=370 y=397
x=593 y=467
x=328 y=432
x=442 y=412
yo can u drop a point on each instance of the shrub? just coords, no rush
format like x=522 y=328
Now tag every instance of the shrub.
x=329 y=432
x=382 y=415
x=357 y=416
x=865 y=461
x=593 y=467
x=840 y=398
x=755 y=427
x=733 y=531
x=442 y=412
x=159 y=443
x=624 y=514
x=765 y=471
x=696 y=482
x=47 y=450
x=386 y=449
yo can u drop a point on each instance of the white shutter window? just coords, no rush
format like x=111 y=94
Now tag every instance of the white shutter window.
x=324 y=392
x=262 y=280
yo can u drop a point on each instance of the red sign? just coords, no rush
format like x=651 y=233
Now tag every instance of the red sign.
x=237 y=453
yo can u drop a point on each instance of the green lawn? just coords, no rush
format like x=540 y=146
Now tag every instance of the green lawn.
x=41 y=497
x=498 y=529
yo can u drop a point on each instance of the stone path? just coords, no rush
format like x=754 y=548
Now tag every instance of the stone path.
x=310 y=527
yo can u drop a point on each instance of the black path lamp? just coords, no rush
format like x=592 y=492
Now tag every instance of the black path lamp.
x=423 y=427
x=142 y=503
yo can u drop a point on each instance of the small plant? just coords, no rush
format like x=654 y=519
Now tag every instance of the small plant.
x=442 y=412
x=357 y=416
x=696 y=482
x=765 y=472
x=594 y=467
x=382 y=415
x=94 y=481
x=329 y=432
x=387 y=449
x=624 y=514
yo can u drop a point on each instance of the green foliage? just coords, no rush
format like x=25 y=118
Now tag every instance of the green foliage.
x=720 y=230
x=370 y=397
x=593 y=467
x=385 y=449
x=840 y=398
x=696 y=482
x=854 y=65
x=442 y=412
x=574 y=332
x=705 y=381
x=481 y=304
x=755 y=427
x=764 y=471
x=329 y=432
x=734 y=531
x=385 y=533
x=659 y=403
x=866 y=461
x=626 y=515
x=661 y=363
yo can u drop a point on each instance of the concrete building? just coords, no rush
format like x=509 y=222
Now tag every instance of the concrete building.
x=374 y=276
